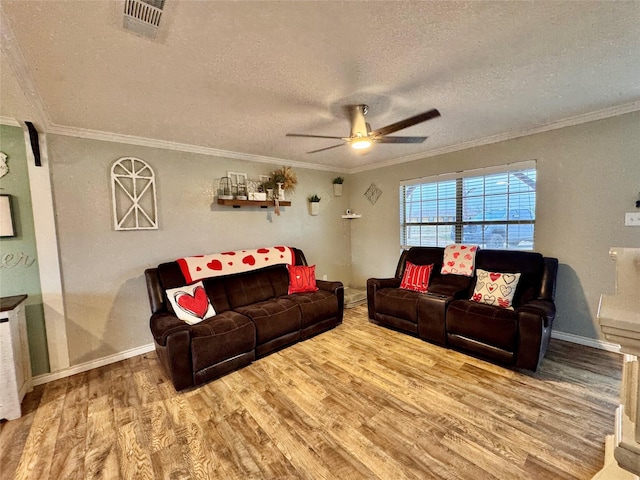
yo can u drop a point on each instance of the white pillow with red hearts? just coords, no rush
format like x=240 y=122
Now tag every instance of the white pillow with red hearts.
x=494 y=288
x=459 y=259
x=191 y=303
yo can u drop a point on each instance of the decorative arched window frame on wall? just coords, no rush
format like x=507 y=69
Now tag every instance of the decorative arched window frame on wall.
x=133 y=193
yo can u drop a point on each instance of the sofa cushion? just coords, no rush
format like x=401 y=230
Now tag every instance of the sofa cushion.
x=190 y=303
x=279 y=278
x=217 y=294
x=530 y=265
x=416 y=277
x=449 y=285
x=221 y=337
x=398 y=302
x=315 y=306
x=273 y=318
x=170 y=276
x=421 y=256
x=248 y=288
x=493 y=326
x=494 y=288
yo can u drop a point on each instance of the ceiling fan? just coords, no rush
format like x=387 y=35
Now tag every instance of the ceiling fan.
x=362 y=136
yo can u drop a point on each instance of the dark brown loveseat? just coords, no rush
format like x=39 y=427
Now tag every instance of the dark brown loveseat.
x=445 y=315
x=254 y=317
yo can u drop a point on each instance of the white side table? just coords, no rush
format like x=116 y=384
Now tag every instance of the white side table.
x=15 y=364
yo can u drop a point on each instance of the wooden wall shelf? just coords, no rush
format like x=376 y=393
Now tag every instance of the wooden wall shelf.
x=252 y=203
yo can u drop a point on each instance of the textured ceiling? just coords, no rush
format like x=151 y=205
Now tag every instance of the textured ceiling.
x=237 y=76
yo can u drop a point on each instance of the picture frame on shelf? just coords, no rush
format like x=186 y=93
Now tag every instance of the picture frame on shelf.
x=237 y=178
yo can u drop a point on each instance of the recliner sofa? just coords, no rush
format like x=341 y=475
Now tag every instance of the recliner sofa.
x=446 y=315
x=255 y=316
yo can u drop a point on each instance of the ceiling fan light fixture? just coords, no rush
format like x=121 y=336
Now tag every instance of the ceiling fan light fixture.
x=361 y=143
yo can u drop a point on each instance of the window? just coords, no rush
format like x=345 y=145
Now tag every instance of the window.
x=491 y=207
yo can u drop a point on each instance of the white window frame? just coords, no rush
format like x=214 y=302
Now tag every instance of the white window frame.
x=449 y=224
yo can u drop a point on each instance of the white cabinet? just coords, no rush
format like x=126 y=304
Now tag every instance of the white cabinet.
x=619 y=317
x=15 y=364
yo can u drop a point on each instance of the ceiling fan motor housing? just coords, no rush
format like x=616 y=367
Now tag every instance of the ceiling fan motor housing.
x=358 y=124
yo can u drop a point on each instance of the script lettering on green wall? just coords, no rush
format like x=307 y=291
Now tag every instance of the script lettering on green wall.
x=13 y=260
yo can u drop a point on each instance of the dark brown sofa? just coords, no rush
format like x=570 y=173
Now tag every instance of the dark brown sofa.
x=255 y=316
x=445 y=315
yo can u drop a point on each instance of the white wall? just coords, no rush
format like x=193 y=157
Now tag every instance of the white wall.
x=102 y=269
x=588 y=177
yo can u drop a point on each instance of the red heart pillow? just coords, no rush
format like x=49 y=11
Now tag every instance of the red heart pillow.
x=191 y=303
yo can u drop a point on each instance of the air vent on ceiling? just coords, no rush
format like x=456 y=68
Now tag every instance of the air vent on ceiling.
x=143 y=16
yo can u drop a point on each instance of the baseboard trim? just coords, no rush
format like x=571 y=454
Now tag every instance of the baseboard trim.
x=83 y=367
x=588 y=342
x=101 y=362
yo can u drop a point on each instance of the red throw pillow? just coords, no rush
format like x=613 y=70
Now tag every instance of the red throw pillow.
x=302 y=278
x=416 y=277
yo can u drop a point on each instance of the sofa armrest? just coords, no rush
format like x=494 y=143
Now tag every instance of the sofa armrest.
x=535 y=319
x=175 y=356
x=164 y=324
x=383 y=283
x=329 y=286
x=337 y=288
x=375 y=284
x=154 y=290
x=544 y=308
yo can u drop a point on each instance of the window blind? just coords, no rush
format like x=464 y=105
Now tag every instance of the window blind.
x=493 y=207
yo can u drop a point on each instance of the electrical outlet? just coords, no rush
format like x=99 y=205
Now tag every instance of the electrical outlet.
x=632 y=219
x=324 y=277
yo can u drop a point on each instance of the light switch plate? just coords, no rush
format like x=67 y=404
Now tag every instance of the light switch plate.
x=632 y=219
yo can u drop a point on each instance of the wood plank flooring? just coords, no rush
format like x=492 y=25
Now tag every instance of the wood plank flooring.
x=358 y=402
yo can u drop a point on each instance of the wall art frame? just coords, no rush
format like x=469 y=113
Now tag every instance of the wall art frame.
x=133 y=194
x=373 y=193
x=7 y=225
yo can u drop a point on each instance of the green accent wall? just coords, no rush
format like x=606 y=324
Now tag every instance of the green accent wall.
x=18 y=255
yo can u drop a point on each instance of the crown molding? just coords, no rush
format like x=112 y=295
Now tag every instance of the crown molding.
x=12 y=122
x=181 y=147
x=215 y=152
x=502 y=137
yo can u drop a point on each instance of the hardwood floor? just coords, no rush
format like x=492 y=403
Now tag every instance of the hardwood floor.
x=358 y=402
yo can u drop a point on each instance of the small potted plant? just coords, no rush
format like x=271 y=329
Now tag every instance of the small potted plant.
x=314 y=204
x=337 y=186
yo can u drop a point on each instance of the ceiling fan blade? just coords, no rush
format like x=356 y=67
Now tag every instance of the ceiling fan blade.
x=401 y=140
x=407 y=122
x=311 y=136
x=327 y=148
